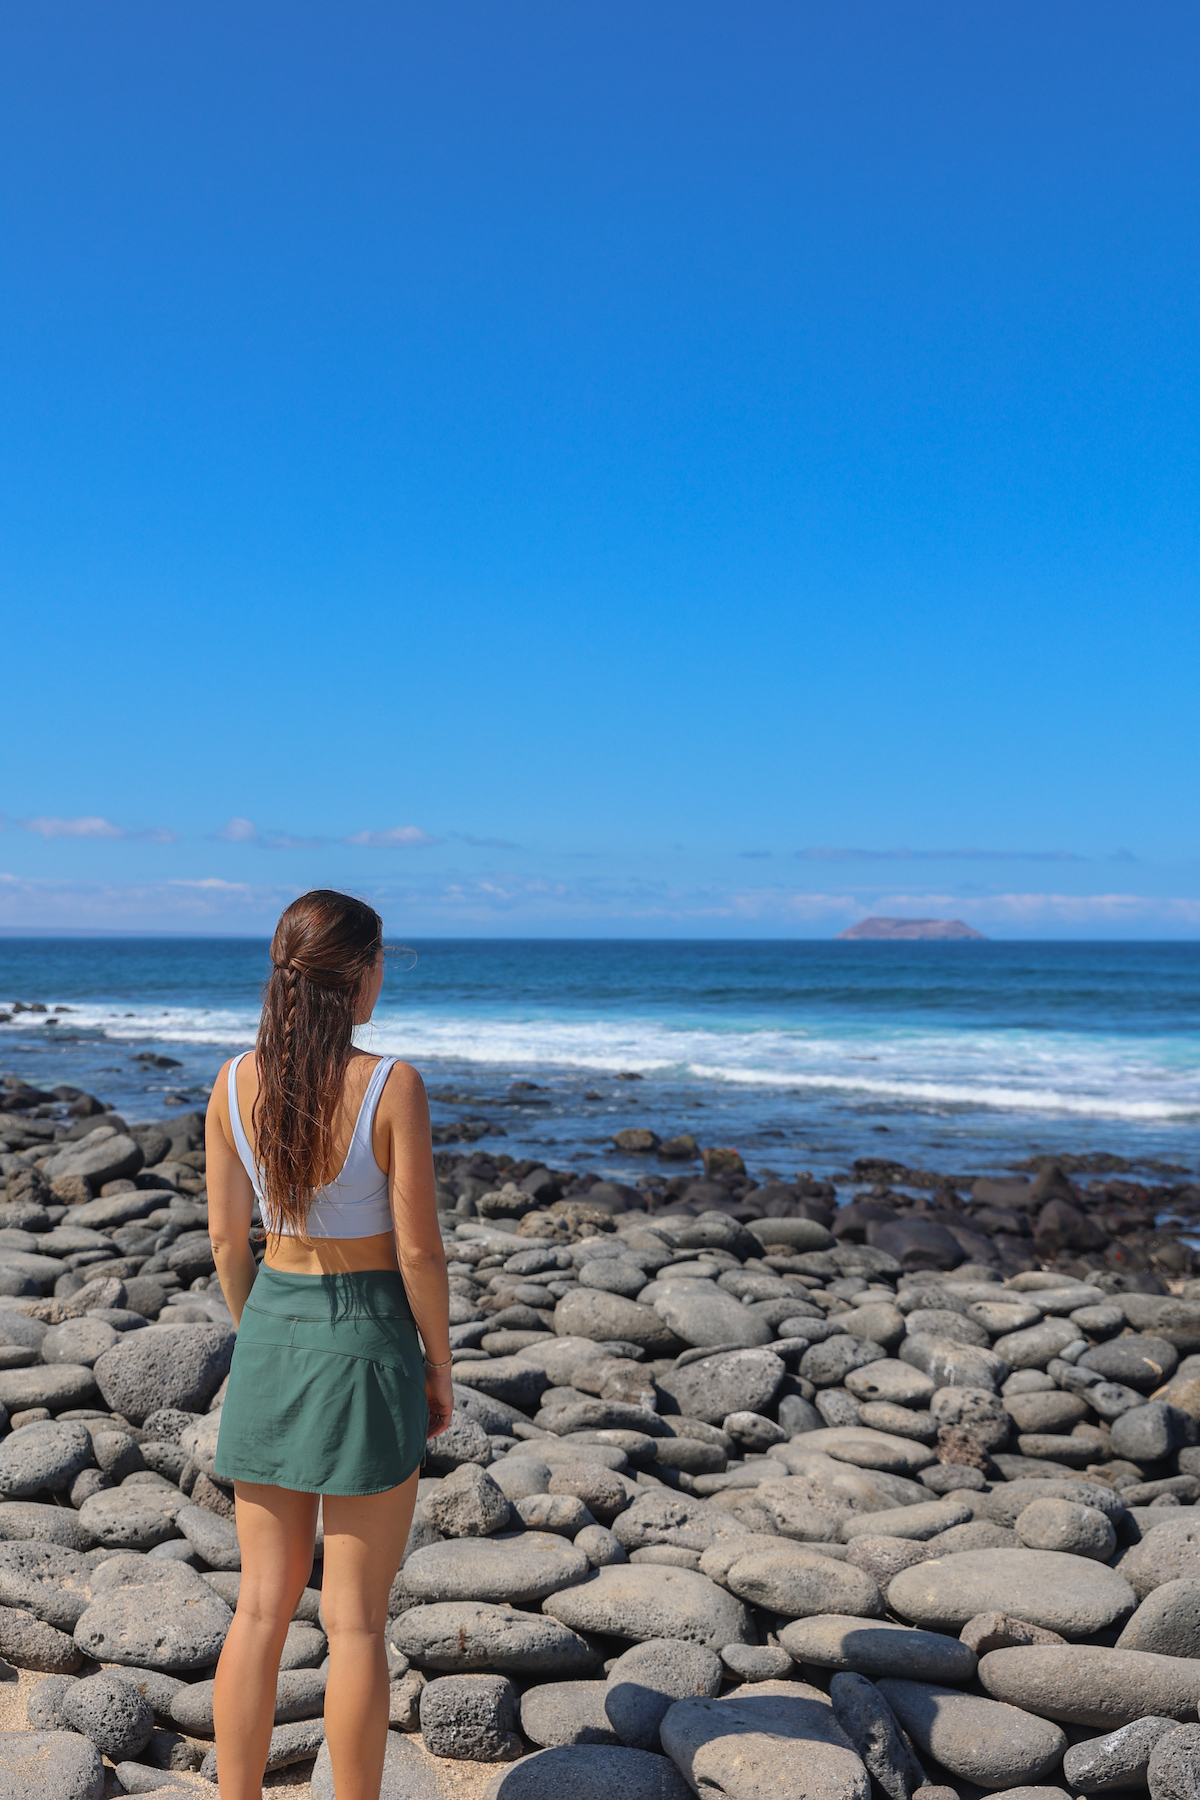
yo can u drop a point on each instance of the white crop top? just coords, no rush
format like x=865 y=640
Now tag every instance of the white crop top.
x=355 y=1203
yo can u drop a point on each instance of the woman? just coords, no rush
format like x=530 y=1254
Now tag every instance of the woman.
x=329 y=1393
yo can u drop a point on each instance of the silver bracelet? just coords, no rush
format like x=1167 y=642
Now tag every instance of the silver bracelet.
x=441 y=1365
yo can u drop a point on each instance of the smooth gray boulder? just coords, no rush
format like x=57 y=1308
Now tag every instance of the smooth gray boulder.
x=763 y=1740
x=645 y=1682
x=924 y=1521
x=797 y=1581
x=1167 y=1552
x=521 y=1568
x=78 y=1341
x=891 y=1382
x=978 y=1740
x=213 y=1538
x=1008 y=1499
x=1149 y=1433
x=1068 y=1594
x=104 y=1155
x=713 y=1386
x=650 y=1601
x=865 y=1449
x=164 y=1366
x=299 y=1694
x=30 y=1644
x=464 y=1636
x=514 y=1380
x=49 y=1765
x=566 y=1712
x=1167 y=1622
x=582 y=1771
x=153 y=1614
x=591 y=1313
x=22 y=1521
x=700 y=1314
x=1178 y=1321
x=951 y=1364
x=133 y=1518
x=1137 y=1360
x=877 y=1649
x=1062 y=1525
x=1088 y=1684
x=51 y=1582
x=58 y=1388
x=46 y=1455
x=297 y=1742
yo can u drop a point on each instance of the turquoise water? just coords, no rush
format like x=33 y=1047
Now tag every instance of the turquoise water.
x=804 y=1055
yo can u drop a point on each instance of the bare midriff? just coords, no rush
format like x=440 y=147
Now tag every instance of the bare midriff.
x=331 y=1256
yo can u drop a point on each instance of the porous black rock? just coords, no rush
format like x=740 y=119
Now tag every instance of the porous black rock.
x=871 y=1725
x=113 y=1714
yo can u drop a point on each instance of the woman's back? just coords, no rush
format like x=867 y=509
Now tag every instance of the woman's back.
x=354 y=1202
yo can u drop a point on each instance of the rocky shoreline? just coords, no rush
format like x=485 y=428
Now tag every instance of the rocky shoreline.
x=754 y=1487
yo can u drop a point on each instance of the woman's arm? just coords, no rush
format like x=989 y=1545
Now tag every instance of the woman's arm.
x=230 y=1203
x=404 y=1111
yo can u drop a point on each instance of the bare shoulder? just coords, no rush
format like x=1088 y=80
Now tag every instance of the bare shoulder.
x=403 y=1082
x=403 y=1090
x=218 y=1100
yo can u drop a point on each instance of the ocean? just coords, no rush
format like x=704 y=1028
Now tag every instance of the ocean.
x=960 y=1057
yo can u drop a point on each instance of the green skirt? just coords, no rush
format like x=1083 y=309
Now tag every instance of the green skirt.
x=326 y=1393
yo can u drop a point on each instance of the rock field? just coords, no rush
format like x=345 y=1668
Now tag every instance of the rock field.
x=745 y=1495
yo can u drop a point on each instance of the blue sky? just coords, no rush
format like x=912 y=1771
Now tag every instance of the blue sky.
x=639 y=469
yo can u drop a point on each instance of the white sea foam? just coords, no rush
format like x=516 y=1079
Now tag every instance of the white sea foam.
x=1068 y=1074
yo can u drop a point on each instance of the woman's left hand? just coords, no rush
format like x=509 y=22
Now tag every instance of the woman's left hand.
x=439 y=1392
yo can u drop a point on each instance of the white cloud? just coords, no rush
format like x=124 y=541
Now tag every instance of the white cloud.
x=240 y=831
x=827 y=853
x=401 y=837
x=73 y=828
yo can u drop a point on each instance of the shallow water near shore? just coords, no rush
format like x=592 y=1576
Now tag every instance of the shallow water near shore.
x=960 y=1057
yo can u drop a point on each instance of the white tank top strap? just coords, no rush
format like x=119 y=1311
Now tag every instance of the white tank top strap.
x=241 y=1141
x=365 y=1123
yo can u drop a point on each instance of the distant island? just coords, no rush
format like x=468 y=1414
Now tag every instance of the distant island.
x=909 y=931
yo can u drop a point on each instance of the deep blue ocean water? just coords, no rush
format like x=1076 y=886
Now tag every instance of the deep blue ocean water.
x=957 y=1056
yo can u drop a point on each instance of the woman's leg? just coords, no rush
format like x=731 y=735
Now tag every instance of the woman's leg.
x=364 y=1541
x=276 y=1528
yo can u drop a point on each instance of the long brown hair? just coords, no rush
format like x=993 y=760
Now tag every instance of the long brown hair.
x=324 y=945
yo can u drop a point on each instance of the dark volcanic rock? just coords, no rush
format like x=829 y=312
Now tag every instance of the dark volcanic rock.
x=470 y=1717
x=1173 y=1772
x=164 y=1366
x=583 y=1771
x=50 y=1765
x=713 y=1386
x=153 y=1614
x=870 y=1724
x=1117 y=1760
x=645 y=1682
x=49 y=1455
x=114 y=1715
